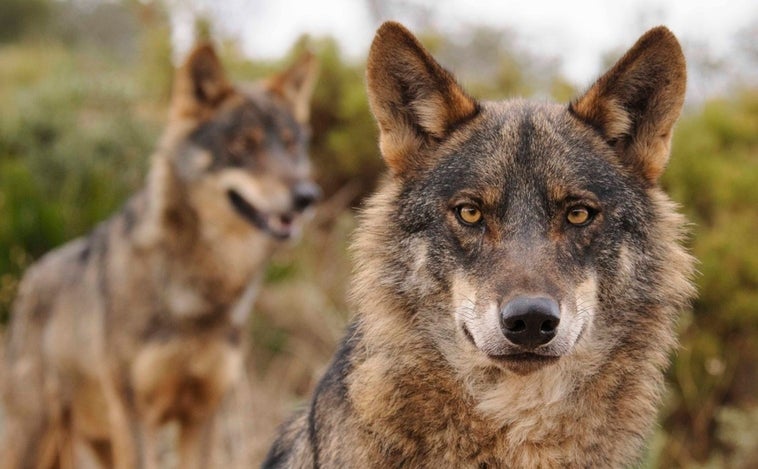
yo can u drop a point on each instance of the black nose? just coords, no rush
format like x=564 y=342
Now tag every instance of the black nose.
x=305 y=194
x=530 y=322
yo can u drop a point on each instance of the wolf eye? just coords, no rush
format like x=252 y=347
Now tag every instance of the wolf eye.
x=468 y=214
x=579 y=216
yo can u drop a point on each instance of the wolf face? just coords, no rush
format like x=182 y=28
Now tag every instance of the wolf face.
x=522 y=215
x=243 y=150
x=526 y=211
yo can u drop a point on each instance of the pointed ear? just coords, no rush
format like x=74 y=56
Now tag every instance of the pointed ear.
x=636 y=103
x=295 y=85
x=200 y=84
x=415 y=101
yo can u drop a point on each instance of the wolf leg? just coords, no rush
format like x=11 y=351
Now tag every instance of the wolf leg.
x=195 y=443
x=131 y=442
x=30 y=442
x=101 y=449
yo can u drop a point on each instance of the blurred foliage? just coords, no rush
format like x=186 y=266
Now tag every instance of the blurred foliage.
x=22 y=17
x=85 y=86
x=75 y=133
x=493 y=65
x=714 y=174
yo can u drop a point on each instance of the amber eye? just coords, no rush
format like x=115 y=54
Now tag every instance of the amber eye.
x=579 y=216
x=469 y=214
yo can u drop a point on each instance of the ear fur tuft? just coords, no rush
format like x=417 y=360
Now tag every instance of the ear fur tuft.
x=635 y=104
x=200 y=84
x=415 y=101
x=295 y=85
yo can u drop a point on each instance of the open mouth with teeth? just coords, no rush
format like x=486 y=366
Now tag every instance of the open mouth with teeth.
x=278 y=225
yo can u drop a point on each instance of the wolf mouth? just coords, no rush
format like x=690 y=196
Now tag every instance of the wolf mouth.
x=279 y=226
x=525 y=357
x=520 y=362
x=524 y=363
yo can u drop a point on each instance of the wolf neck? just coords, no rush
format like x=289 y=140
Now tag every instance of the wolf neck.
x=198 y=274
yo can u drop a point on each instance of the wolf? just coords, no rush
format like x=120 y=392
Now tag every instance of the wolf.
x=519 y=273
x=140 y=322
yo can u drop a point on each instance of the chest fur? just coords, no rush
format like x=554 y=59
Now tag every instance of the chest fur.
x=184 y=378
x=425 y=412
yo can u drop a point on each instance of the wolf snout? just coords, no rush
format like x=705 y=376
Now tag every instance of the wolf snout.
x=304 y=195
x=530 y=321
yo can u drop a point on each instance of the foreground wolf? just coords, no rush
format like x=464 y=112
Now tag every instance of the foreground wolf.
x=519 y=275
x=139 y=322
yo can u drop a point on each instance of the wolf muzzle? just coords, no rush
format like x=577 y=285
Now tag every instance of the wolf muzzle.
x=280 y=225
x=304 y=195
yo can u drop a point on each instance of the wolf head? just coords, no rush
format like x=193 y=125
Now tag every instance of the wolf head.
x=522 y=232
x=233 y=159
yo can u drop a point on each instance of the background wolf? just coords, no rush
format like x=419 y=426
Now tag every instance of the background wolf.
x=139 y=323
x=518 y=275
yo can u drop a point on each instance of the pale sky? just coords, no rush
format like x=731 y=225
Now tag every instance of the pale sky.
x=576 y=31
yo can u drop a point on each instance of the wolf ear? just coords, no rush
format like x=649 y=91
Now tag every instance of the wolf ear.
x=636 y=103
x=200 y=84
x=415 y=101
x=295 y=85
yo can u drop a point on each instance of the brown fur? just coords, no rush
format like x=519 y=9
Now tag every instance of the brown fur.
x=426 y=375
x=648 y=81
x=404 y=71
x=140 y=322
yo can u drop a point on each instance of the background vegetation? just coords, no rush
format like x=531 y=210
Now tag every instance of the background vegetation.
x=84 y=88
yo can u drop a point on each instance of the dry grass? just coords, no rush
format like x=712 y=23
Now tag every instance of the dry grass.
x=298 y=319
